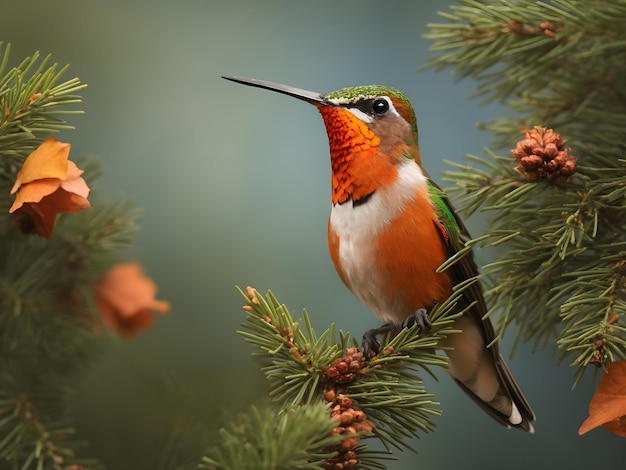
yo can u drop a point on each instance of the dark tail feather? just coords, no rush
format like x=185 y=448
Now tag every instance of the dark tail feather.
x=518 y=398
x=509 y=391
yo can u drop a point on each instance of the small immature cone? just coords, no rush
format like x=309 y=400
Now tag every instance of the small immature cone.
x=346 y=369
x=542 y=155
x=351 y=421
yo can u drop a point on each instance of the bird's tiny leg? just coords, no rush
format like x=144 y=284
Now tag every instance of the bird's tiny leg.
x=420 y=316
x=370 y=343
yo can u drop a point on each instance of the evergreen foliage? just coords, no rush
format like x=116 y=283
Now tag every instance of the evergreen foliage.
x=559 y=65
x=265 y=439
x=304 y=370
x=33 y=98
x=47 y=323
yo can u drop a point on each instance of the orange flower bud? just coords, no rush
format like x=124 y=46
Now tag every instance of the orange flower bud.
x=125 y=298
x=47 y=184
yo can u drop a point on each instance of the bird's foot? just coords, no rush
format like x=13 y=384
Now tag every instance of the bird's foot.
x=420 y=316
x=370 y=343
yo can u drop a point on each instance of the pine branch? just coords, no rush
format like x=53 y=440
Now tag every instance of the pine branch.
x=557 y=64
x=507 y=45
x=32 y=96
x=45 y=285
x=37 y=435
x=382 y=396
x=596 y=291
x=48 y=323
x=265 y=439
x=551 y=233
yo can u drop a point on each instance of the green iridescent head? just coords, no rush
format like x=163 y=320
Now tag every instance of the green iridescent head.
x=355 y=95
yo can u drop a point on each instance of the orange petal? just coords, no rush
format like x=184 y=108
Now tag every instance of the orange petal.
x=49 y=160
x=73 y=172
x=608 y=405
x=34 y=192
x=74 y=183
x=62 y=201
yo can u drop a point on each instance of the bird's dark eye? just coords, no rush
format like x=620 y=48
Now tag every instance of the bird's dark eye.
x=380 y=106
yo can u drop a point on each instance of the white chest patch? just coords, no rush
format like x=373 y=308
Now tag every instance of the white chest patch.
x=357 y=228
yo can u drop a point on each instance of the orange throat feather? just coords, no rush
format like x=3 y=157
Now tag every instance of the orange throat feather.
x=358 y=168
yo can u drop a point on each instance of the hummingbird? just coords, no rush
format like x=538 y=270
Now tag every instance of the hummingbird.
x=391 y=227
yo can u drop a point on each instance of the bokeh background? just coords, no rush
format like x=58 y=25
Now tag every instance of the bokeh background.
x=233 y=183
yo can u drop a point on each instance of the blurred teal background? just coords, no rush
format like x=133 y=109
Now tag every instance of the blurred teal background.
x=234 y=187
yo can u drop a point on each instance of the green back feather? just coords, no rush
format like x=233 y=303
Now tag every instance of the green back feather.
x=444 y=213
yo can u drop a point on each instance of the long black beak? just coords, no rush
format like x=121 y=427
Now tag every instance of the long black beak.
x=304 y=95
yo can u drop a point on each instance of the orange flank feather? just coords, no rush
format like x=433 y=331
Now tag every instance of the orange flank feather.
x=410 y=249
x=358 y=167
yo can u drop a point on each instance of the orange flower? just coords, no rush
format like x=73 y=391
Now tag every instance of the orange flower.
x=125 y=298
x=608 y=406
x=47 y=184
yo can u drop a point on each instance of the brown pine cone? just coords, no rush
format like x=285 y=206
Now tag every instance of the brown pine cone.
x=542 y=155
